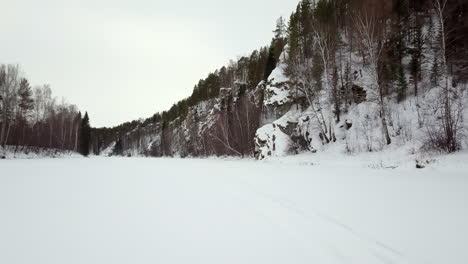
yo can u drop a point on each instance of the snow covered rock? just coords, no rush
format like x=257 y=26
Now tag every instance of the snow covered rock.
x=277 y=91
x=271 y=141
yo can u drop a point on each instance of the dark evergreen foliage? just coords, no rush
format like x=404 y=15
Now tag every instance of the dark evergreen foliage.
x=85 y=136
x=271 y=63
x=25 y=97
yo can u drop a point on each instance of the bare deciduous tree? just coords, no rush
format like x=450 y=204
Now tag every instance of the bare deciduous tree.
x=445 y=129
x=372 y=34
x=9 y=82
x=29 y=120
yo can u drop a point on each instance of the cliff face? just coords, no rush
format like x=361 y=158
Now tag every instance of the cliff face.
x=351 y=105
x=225 y=125
x=274 y=119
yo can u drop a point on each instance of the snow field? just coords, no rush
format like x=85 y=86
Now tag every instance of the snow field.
x=118 y=210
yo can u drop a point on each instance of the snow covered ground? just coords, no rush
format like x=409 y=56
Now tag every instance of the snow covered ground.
x=12 y=152
x=118 y=210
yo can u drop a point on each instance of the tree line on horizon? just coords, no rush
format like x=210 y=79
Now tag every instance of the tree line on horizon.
x=32 y=118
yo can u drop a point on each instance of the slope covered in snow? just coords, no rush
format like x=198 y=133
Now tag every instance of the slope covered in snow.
x=292 y=125
x=118 y=210
x=336 y=80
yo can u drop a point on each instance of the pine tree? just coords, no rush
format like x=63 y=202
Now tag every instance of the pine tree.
x=25 y=98
x=306 y=26
x=253 y=75
x=402 y=84
x=276 y=48
x=271 y=63
x=85 y=135
x=435 y=72
x=25 y=105
x=416 y=57
x=281 y=30
x=294 y=48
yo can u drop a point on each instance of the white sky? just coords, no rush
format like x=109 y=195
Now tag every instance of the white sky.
x=123 y=60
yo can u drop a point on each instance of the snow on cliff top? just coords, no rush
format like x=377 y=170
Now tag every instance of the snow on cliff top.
x=277 y=90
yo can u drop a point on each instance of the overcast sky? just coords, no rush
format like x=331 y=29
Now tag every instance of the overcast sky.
x=123 y=60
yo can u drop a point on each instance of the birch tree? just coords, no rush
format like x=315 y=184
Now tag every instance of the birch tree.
x=372 y=34
x=444 y=131
x=9 y=83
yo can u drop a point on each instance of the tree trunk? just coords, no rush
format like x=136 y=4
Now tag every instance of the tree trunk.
x=7 y=134
x=2 y=135
x=384 y=123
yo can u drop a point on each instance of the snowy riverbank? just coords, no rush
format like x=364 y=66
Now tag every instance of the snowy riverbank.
x=20 y=152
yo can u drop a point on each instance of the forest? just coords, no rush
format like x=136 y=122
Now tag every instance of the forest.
x=33 y=119
x=335 y=56
x=362 y=73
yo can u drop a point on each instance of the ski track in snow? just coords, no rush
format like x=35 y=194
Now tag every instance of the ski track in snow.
x=382 y=252
x=121 y=210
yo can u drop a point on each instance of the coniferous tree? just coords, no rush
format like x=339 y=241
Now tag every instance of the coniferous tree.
x=294 y=48
x=306 y=26
x=253 y=75
x=25 y=98
x=435 y=72
x=276 y=47
x=271 y=63
x=401 y=32
x=26 y=104
x=281 y=29
x=416 y=57
x=85 y=135
x=402 y=84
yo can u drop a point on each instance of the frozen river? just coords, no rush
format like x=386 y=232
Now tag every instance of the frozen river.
x=117 y=210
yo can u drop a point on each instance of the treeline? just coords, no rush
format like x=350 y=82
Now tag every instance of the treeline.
x=398 y=29
x=35 y=118
x=389 y=39
x=247 y=72
x=102 y=137
x=338 y=53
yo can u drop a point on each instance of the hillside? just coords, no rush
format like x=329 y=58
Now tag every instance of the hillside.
x=345 y=77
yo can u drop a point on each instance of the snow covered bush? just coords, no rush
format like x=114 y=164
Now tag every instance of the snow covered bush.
x=444 y=119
